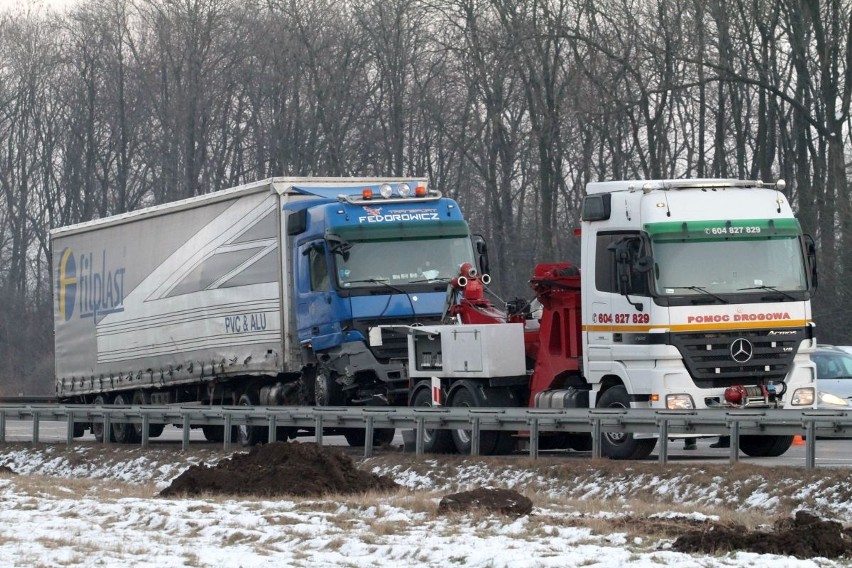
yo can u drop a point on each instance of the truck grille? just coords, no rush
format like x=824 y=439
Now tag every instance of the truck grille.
x=394 y=343
x=709 y=356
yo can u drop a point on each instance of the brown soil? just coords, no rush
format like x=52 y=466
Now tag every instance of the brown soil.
x=281 y=468
x=803 y=536
x=6 y=469
x=503 y=501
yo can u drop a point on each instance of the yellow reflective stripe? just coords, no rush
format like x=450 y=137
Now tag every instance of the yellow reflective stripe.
x=774 y=324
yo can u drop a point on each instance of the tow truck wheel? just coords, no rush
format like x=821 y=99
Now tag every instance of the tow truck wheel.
x=141 y=398
x=123 y=432
x=468 y=394
x=248 y=435
x=618 y=445
x=356 y=437
x=98 y=426
x=434 y=441
x=765 y=446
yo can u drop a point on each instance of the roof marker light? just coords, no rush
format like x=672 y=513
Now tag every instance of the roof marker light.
x=420 y=191
x=366 y=193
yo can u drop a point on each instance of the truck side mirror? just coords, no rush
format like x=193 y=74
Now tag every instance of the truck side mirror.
x=481 y=248
x=627 y=260
x=810 y=246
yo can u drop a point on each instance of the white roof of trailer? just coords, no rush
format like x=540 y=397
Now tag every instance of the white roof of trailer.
x=323 y=186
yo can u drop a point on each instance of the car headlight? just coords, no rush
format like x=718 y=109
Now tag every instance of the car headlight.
x=831 y=399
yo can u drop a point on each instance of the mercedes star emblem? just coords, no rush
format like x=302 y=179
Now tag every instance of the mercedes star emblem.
x=741 y=350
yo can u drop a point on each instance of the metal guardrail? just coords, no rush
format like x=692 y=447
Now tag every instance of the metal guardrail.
x=662 y=423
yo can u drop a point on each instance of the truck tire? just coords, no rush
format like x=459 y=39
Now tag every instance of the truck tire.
x=327 y=391
x=142 y=398
x=248 y=435
x=123 y=432
x=617 y=445
x=468 y=394
x=98 y=426
x=765 y=446
x=356 y=437
x=434 y=441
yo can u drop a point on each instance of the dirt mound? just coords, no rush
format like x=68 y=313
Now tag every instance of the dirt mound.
x=804 y=536
x=503 y=501
x=7 y=469
x=281 y=468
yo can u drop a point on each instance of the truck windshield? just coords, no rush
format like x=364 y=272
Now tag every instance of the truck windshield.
x=369 y=263
x=713 y=267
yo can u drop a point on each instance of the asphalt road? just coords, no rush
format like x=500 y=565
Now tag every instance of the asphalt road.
x=829 y=452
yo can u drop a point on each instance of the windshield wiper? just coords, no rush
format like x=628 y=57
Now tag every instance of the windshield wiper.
x=700 y=290
x=428 y=280
x=769 y=288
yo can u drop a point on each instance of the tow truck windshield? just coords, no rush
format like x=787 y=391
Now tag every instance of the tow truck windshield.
x=401 y=262
x=772 y=266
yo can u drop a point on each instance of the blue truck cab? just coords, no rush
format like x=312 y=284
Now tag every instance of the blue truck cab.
x=374 y=254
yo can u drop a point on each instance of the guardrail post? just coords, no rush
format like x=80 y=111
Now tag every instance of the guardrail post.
x=419 y=435
x=107 y=426
x=69 y=437
x=2 y=427
x=35 y=427
x=596 y=438
x=735 y=442
x=273 y=428
x=185 y=443
x=810 y=445
x=146 y=424
x=318 y=429
x=228 y=430
x=474 y=437
x=664 y=441
x=534 y=438
x=368 y=438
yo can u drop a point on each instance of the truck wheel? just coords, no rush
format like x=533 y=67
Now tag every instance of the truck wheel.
x=617 y=445
x=434 y=441
x=142 y=398
x=356 y=437
x=327 y=391
x=765 y=446
x=213 y=433
x=123 y=432
x=470 y=395
x=98 y=426
x=248 y=435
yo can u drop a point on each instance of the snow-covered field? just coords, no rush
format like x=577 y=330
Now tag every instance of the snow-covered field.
x=99 y=507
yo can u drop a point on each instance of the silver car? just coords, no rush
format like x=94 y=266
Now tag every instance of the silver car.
x=834 y=377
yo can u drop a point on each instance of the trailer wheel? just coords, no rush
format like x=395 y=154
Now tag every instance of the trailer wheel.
x=434 y=441
x=248 y=435
x=142 y=398
x=765 y=446
x=618 y=445
x=468 y=394
x=98 y=427
x=123 y=432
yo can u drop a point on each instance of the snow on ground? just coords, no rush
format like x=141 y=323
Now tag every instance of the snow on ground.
x=104 y=521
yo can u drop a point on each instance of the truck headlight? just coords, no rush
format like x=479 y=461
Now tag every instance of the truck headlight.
x=679 y=402
x=404 y=190
x=803 y=397
x=385 y=190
